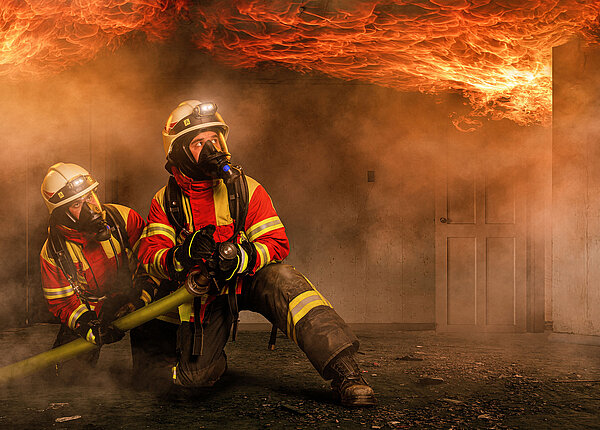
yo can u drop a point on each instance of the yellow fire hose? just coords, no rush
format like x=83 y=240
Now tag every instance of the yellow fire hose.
x=64 y=352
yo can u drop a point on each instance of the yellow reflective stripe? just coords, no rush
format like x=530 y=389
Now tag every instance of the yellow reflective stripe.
x=157 y=263
x=267 y=230
x=263 y=251
x=136 y=246
x=320 y=295
x=170 y=317
x=90 y=336
x=185 y=311
x=291 y=306
x=268 y=224
x=155 y=268
x=175 y=373
x=299 y=298
x=145 y=296
x=160 y=197
x=243 y=260
x=311 y=304
x=58 y=293
x=187 y=210
x=177 y=265
x=77 y=256
x=301 y=305
x=221 y=201
x=108 y=249
x=81 y=309
x=155 y=228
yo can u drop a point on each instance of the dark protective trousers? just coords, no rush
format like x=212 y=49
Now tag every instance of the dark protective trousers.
x=284 y=297
x=153 y=350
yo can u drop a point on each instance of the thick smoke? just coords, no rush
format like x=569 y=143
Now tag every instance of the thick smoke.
x=309 y=140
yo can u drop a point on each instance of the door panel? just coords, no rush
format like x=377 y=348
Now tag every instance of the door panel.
x=461 y=286
x=480 y=240
x=500 y=280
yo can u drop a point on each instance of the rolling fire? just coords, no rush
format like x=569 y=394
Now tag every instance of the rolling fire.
x=48 y=36
x=497 y=53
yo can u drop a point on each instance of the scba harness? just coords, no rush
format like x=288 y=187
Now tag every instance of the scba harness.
x=58 y=251
x=238 y=199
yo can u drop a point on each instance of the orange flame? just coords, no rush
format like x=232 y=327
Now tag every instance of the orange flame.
x=46 y=36
x=497 y=53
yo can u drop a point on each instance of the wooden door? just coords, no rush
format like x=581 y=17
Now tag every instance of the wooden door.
x=480 y=239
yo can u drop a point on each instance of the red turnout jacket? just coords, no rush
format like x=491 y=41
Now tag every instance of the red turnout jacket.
x=96 y=268
x=204 y=203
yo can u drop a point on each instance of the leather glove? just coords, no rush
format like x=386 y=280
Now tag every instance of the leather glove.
x=197 y=246
x=116 y=306
x=90 y=328
x=232 y=259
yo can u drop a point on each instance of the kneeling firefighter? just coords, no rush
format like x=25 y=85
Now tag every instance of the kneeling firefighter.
x=89 y=275
x=213 y=223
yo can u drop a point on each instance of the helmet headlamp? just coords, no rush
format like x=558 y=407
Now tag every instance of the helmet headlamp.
x=204 y=109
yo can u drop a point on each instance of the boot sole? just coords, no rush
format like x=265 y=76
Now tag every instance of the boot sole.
x=359 y=401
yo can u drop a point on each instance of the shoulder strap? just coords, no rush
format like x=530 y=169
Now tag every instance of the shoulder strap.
x=238 y=194
x=116 y=221
x=57 y=248
x=174 y=205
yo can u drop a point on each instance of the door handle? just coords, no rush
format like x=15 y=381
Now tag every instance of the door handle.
x=443 y=220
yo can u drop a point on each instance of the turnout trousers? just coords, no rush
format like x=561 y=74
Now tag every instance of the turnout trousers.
x=287 y=299
x=153 y=351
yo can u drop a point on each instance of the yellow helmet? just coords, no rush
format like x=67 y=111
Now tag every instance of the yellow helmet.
x=64 y=183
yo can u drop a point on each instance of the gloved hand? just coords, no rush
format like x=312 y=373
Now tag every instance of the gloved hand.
x=198 y=245
x=232 y=259
x=92 y=330
x=118 y=305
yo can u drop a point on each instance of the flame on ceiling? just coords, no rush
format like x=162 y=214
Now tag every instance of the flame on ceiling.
x=497 y=53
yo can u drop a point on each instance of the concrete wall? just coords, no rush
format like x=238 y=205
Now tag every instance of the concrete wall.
x=576 y=190
x=310 y=140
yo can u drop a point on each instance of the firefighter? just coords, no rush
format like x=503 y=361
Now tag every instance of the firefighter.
x=88 y=266
x=215 y=230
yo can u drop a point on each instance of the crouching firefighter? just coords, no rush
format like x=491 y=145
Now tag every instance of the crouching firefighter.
x=88 y=262
x=213 y=222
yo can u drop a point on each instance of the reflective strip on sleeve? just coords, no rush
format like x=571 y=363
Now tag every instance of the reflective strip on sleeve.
x=178 y=266
x=300 y=306
x=243 y=260
x=155 y=268
x=155 y=228
x=263 y=251
x=90 y=336
x=58 y=293
x=81 y=309
x=146 y=297
x=263 y=227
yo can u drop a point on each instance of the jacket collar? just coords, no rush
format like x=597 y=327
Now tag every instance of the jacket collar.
x=188 y=185
x=73 y=235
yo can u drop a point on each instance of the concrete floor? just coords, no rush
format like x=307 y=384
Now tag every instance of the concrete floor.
x=422 y=379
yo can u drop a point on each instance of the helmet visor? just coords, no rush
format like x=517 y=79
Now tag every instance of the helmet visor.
x=72 y=188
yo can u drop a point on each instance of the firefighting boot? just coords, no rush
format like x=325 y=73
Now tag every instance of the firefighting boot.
x=349 y=387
